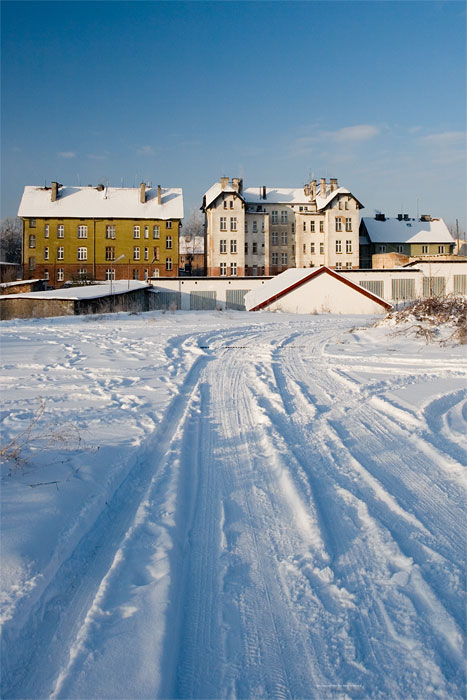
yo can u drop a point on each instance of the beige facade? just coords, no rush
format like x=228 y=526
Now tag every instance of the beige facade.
x=264 y=231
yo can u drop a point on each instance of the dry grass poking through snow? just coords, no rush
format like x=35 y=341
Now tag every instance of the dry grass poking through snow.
x=440 y=319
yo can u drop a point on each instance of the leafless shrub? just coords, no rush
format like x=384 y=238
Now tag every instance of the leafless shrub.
x=33 y=439
x=426 y=317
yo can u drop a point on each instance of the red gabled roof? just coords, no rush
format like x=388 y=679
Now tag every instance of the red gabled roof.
x=316 y=273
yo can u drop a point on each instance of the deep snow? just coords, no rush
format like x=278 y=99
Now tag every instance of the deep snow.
x=261 y=506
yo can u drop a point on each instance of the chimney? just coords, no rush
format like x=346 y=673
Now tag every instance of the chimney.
x=306 y=190
x=264 y=191
x=142 y=193
x=100 y=188
x=399 y=217
x=333 y=182
x=312 y=190
x=322 y=187
x=224 y=182
x=159 y=194
x=237 y=184
x=54 y=191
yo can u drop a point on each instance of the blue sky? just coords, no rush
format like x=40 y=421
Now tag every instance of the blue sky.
x=373 y=93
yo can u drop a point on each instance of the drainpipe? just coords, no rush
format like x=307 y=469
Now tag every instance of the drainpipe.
x=94 y=248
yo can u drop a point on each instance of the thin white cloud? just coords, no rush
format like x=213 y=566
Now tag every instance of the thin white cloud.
x=446 y=138
x=146 y=151
x=361 y=132
x=66 y=154
x=96 y=156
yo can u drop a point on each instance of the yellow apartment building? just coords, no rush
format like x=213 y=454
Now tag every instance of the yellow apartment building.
x=100 y=233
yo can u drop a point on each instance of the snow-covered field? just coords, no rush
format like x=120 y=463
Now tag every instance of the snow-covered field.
x=232 y=505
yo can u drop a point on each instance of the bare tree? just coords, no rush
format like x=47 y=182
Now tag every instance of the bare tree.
x=193 y=237
x=11 y=240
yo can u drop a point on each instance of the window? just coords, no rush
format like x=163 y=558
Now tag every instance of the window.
x=424 y=249
x=348 y=224
x=109 y=253
x=338 y=246
x=168 y=224
x=231 y=204
x=136 y=231
x=32 y=263
x=400 y=248
x=135 y=274
x=155 y=254
x=136 y=253
x=233 y=245
x=321 y=226
x=284 y=258
x=246 y=247
x=255 y=248
x=284 y=237
x=60 y=253
x=110 y=274
x=225 y=204
x=255 y=227
x=348 y=265
x=146 y=231
x=82 y=273
x=246 y=226
x=283 y=217
x=312 y=248
x=155 y=273
x=82 y=231
x=274 y=238
x=222 y=246
x=275 y=258
x=223 y=269
x=312 y=226
x=321 y=248
x=46 y=231
x=304 y=247
x=60 y=231
x=338 y=266
x=338 y=223
x=110 y=232
x=146 y=253
x=255 y=270
x=340 y=204
x=60 y=274
x=168 y=264
x=441 y=249
x=274 y=217
x=348 y=246
x=233 y=269
x=155 y=231
x=46 y=253
x=32 y=223
x=262 y=227
x=223 y=225
x=346 y=205
x=304 y=225
x=46 y=275
x=32 y=241
x=168 y=243
x=82 y=253
x=382 y=249
x=233 y=223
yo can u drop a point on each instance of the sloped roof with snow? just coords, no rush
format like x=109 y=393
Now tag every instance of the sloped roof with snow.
x=278 y=195
x=291 y=279
x=89 y=291
x=413 y=231
x=109 y=203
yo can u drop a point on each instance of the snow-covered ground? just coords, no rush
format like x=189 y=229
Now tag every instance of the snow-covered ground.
x=232 y=505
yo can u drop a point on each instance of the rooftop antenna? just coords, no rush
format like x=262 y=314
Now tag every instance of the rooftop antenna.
x=417 y=209
x=122 y=181
x=79 y=181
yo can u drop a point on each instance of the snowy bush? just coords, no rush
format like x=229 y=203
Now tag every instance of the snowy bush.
x=439 y=318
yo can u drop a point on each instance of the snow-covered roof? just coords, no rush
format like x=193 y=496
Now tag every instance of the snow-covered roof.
x=412 y=231
x=278 y=195
x=15 y=283
x=111 y=202
x=90 y=291
x=291 y=279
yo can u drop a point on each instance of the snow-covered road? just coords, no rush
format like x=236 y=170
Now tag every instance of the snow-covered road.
x=276 y=510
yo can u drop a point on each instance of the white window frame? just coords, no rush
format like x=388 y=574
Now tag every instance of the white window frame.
x=110 y=232
x=136 y=231
x=168 y=243
x=223 y=269
x=284 y=238
x=233 y=269
x=32 y=240
x=274 y=217
x=82 y=253
x=146 y=231
x=110 y=274
x=46 y=253
x=60 y=231
x=338 y=224
x=348 y=225
x=46 y=230
x=223 y=223
x=274 y=238
x=156 y=232
x=283 y=216
x=146 y=253
x=348 y=246
x=233 y=223
x=233 y=245
x=223 y=245
x=109 y=253
x=284 y=258
x=60 y=274
x=136 y=253
x=168 y=224
x=61 y=253
x=168 y=264
x=82 y=231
